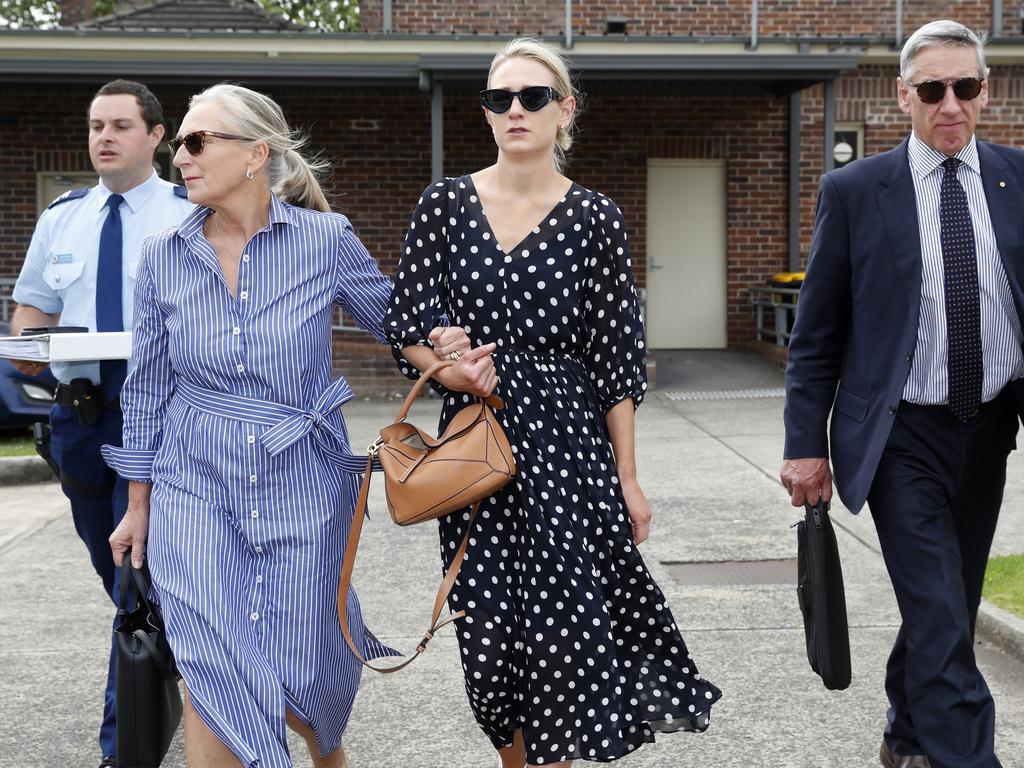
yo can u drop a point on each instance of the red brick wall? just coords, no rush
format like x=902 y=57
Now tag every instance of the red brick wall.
x=776 y=18
x=379 y=141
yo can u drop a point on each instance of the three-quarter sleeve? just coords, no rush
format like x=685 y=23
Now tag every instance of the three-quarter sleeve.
x=615 y=349
x=362 y=290
x=149 y=385
x=419 y=300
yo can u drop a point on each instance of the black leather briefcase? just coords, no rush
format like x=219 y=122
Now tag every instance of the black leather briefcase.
x=148 y=700
x=822 y=598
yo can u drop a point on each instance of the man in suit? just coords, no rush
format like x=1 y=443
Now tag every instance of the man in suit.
x=908 y=331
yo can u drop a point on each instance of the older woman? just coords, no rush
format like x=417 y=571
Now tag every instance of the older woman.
x=568 y=646
x=234 y=443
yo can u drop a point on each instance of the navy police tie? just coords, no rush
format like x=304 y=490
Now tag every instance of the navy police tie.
x=109 y=309
x=963 y=303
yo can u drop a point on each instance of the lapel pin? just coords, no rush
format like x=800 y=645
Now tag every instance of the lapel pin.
x=1002 y=183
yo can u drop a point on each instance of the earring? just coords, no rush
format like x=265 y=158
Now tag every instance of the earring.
x=249 y=174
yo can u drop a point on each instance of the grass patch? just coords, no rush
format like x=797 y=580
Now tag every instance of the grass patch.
x=17 y=442
x=1004 y=583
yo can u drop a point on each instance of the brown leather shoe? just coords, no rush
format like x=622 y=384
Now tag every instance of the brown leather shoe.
x=890 y=759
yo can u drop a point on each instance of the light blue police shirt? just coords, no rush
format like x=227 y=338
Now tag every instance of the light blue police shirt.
x=59 y=274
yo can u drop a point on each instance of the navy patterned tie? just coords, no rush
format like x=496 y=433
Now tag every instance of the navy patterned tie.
x=963 y=304
x=109 y=309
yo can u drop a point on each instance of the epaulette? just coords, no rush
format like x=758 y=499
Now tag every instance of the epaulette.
x=180 y=191
x=71 y=194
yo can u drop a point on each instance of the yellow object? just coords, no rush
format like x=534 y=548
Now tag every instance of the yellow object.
x=788 y=277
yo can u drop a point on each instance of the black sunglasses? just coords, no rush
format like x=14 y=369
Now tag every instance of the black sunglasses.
x=934 y=91
x=195 y=141
x=533 y=99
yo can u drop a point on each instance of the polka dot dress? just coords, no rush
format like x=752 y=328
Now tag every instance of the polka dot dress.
x=566 y=634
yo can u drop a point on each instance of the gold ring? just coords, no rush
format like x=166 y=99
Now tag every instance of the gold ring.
x=454 y=356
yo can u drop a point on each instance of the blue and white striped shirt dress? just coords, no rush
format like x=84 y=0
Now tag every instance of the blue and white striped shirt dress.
x=230 y=411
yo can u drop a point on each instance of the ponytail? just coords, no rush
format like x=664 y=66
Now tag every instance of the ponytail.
x=299 y=184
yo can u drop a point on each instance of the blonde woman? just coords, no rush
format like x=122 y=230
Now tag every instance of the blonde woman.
x=568 y=647
x=234 y=442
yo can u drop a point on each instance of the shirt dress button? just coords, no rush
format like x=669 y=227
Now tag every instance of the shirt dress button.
x=252 y=478
x=251 y=439
x=236 y=330
x=254 y=616
x=240 y=368
x=243 y=295
x=255 y=513
x=259 y=578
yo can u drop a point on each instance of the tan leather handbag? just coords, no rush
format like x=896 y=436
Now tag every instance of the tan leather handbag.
x=426 y=478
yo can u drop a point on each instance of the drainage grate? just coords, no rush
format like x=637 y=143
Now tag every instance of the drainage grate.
x=734 y=573
x=725 y=394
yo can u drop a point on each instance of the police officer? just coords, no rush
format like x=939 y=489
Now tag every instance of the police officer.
x=79 y=271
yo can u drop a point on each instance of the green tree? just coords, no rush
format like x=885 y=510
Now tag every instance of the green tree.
x=321 y=15
x=28 y=14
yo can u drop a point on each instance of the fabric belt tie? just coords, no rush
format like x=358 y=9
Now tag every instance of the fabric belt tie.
x=287 y=425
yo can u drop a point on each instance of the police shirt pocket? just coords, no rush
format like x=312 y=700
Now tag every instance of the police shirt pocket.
x=60 y=276
x=852 y=405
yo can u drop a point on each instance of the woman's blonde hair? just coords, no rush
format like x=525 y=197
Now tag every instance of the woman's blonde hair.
x=293 y=177
x=531 y=48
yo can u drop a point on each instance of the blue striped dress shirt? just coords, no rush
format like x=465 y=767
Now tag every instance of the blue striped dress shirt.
x=231 y=412
x=1000 y=327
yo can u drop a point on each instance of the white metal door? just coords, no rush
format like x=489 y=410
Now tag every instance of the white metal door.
x=686 y=258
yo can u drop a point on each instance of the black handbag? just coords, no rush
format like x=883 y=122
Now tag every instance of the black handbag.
x=822 y=598
x=148 y=700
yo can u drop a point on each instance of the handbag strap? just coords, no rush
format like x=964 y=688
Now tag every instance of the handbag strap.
x=442 y=592
x=492 y=400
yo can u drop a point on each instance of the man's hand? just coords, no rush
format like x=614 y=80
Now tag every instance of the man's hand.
x=807 y=480
x=29 y=367
x=449 y=339
x=473 y=373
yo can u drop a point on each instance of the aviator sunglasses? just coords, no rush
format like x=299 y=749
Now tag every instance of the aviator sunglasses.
x=195 y=141
x=934 y=91
x=533 y=99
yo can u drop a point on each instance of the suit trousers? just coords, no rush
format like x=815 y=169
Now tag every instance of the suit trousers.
x=935 y=501
x=99 y=499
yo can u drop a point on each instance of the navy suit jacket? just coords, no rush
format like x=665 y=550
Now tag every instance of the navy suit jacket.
x=857 y=315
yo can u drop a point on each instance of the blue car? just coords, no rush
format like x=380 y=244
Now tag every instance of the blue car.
x=23 y=399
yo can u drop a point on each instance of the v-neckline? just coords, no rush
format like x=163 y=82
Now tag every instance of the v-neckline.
x=534 y=230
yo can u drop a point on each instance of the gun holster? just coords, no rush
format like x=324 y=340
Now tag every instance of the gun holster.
x=84 y=397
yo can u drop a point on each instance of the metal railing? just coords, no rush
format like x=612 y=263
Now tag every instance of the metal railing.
x=782 y=303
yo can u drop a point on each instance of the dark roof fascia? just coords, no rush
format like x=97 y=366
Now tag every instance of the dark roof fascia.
x=201 y=71
x=749 y=66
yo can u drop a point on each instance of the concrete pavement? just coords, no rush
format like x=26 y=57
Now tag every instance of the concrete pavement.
x=709 y=468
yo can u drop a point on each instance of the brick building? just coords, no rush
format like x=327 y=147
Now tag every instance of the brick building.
x=708 y=121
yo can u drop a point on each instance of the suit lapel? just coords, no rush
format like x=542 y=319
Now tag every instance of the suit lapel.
x=898 y=206
x=1004 y=209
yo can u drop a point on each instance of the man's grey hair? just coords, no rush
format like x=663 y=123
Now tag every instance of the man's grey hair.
x=942 y=32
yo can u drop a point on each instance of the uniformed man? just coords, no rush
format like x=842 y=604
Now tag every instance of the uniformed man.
x=79 y=271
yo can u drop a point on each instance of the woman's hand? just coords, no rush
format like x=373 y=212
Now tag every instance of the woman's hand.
x=132 y=531
x=473 y=372
x=639 y=511
x=448 y=339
